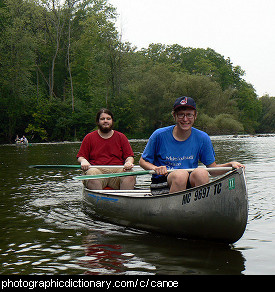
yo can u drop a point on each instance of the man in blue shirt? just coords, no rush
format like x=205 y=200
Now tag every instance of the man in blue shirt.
x=179 y=147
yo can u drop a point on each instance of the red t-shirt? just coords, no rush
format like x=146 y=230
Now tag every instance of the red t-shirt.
x=99 y=151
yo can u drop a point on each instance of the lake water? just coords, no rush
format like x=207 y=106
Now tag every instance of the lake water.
x=45 y=230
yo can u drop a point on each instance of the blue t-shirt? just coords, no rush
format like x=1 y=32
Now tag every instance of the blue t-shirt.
x=163 y=149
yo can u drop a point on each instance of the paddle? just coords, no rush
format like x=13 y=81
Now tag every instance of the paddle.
x=75 y=166
x=144 y=172
x=54 y=166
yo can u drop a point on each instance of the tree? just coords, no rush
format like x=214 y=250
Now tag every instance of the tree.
x=17 y=49
x=267 y=120
x=60 y=61
x=93 y=64
x=154 y=104
x=70 y=8
x=249 y=105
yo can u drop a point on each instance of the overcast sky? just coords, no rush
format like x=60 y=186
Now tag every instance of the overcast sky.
x=243 y=30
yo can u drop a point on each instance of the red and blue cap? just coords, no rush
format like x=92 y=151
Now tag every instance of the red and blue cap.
x=185 y=101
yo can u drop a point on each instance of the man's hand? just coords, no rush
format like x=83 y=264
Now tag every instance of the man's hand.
x=128 y=166
x=161 y=170
x=236 y=164
x=85 y=165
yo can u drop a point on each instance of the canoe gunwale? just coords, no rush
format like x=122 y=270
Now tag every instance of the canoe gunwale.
x=147 y=193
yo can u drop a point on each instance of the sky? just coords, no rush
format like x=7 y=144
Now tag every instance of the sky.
x=243 y=30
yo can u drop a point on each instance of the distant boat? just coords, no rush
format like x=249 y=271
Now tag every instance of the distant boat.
x=19 y=143
x=216 y=211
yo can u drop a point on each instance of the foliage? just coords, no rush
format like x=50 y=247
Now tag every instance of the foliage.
x=267 y=118
x=221 y=124
x=61 y=61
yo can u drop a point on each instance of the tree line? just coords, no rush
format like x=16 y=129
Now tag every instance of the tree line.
x=61 y=62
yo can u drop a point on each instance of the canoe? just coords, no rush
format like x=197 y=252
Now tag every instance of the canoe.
x=21 y=143
x=216 y=211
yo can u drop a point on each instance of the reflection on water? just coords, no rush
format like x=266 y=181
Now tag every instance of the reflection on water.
x=102 y=259
x=45 y=229
x=163 y=255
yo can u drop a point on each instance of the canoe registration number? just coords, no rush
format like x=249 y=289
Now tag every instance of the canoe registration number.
x=201 y=193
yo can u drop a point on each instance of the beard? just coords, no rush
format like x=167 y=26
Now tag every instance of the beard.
x=105 y=129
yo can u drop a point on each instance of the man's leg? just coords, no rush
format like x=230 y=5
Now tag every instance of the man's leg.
x=95 y=184
x=199 y=177
x=122 y=183
x=177 y=180
x=127 y=183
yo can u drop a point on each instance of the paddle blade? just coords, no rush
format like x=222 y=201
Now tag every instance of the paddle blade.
x=109 y=175
x=78 y=166
x=55 y=166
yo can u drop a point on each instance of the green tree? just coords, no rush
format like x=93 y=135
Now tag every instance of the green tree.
x=249 y=106
x=60 y=61
x=267 y=119
x=209 y=96
x=154 y=104
x=17 y=55
x=93 y=62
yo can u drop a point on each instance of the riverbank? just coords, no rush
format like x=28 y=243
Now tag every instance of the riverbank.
x=133 y=139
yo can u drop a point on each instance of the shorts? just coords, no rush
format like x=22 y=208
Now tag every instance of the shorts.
x=112 y=182
x=159 y=185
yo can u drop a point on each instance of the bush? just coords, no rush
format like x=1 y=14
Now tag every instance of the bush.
x=221 y=124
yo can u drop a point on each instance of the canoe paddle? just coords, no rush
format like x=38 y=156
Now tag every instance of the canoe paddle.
x=77 y=166
x=144 y=172
x=54 y=166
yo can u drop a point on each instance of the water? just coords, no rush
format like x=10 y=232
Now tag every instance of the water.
x=45 y=230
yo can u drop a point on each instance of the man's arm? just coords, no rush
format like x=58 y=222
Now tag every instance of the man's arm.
x=233 y=164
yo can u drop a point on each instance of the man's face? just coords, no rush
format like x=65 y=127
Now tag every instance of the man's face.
x=105 y=123
x=185 y=118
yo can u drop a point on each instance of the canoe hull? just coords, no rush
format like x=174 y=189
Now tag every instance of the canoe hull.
x=216 y=211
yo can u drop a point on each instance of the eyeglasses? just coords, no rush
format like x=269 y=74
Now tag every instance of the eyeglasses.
x=189 y=116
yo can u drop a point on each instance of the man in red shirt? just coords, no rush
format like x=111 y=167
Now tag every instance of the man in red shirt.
x=106 y=146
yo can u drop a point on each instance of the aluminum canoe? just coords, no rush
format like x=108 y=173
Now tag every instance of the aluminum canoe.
x=216 y=211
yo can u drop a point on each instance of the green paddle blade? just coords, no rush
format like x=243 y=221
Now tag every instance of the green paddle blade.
x=76 y=166
x=109 y=175
x=55 y=166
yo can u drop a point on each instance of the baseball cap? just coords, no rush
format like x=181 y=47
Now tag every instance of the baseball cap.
x=184 y=101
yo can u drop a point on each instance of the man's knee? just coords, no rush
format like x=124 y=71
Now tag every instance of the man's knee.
x=128 y=182
x=178 y=176
x=199 y=176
